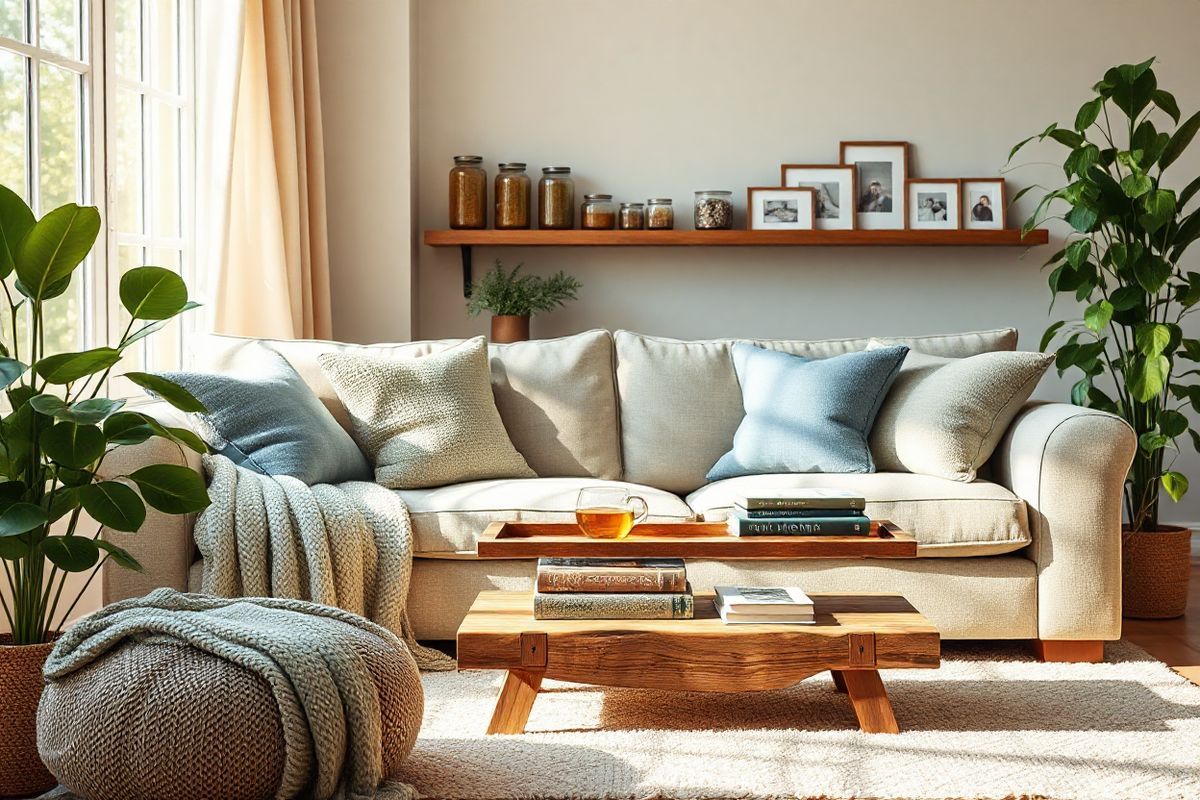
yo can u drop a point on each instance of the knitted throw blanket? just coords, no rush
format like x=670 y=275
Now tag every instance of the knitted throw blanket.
x=328 y=703
x=348 y=546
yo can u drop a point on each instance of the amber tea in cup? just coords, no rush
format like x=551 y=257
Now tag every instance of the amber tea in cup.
x=608 y=513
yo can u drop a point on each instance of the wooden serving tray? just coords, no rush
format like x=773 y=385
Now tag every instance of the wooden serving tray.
x=686 y=540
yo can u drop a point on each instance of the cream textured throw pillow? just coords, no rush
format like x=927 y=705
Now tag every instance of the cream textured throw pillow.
x=427 y=421
x=945 y=416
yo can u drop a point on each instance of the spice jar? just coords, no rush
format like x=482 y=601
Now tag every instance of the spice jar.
x=714 y=210
x=556 y=199
x=660 y=216
x=597 y=212
x=631 y=217
x=512 y=197
x=468 y=193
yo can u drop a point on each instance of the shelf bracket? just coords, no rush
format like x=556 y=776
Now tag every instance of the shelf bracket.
x=465 y=251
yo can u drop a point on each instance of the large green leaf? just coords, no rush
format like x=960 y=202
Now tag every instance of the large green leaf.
x=1158 y=209
x=127 y=427
x=83 y=412
x=1049 y=335
x=71 y=553
x=1152 y=338
x=168 y=390
x=171 y=488
x=73 y=445
x=55 y=246
x=16 y=219
x=1098 y=315
x=1132 y=94
x=1176 y=485
x=1127 y=297
x=152 y=293
x=1087 y=113
x=1179 y=141
x=1149 y=377
x=1078 y=252
x=1172 y=423
x=11 y=371
x=1136 y=184
x=114 y=505
x=121 y=557
x=70 y=367
x=21 y=518
x=1082 y=218
x=1166 y=101
x=1152 y=272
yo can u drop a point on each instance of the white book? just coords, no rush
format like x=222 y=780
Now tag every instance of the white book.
x=763 y=600
x=734 y=618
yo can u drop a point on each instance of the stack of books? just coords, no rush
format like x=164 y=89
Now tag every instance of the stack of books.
x=763 y=605
x=801 y=512
x=612 y=588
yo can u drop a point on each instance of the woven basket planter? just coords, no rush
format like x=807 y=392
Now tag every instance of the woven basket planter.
x=21 y=771
x=1155 y=567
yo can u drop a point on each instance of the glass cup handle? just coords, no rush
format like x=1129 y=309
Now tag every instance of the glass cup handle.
x=640 y=516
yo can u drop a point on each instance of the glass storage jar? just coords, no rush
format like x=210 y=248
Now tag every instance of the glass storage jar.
x=468 y=193
x=556 y=199
x=660 y=215
x=597 y=212
x=512 y=197
x=714 y=210
x=631 y=217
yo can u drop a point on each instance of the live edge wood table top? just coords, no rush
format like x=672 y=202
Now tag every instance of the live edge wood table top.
x=855 y=635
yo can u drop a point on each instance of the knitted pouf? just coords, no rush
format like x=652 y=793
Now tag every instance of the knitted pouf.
x=161 y=719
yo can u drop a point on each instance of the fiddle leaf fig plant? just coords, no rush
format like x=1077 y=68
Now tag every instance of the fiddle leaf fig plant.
x=1123 y=262
x=58 y=427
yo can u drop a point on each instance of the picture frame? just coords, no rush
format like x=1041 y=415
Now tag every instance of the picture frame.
x=977 y=191
x=834 y=195
x=880 y=175
x=780 y=208
x=934 y=204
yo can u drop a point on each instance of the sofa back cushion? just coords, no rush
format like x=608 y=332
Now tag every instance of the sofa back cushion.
x=681 y=403
x=556 y=396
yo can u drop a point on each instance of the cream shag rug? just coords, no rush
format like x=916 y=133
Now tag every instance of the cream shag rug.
x=990 y=723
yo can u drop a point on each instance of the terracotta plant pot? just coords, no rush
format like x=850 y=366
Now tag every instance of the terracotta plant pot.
x=21 y=770
x=507 y=328
x=1155 y=567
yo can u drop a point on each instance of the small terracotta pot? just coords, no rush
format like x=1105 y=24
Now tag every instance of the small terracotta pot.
x=1155 y=567
x=21 y=770
x=508 y=328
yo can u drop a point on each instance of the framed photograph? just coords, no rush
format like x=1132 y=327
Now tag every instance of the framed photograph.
x=984 y=204
x=780 y=208
x=833 y=192
x=934 y=204
x=880 y=172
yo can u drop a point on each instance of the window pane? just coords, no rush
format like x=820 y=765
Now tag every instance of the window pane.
x=125 y=160
x=59 y=25
x=59 y=118
x=14 y=130
x=163 y=348
x=134 y=359
x=164 y=45
x=62 y=317
x=164 y=170
x=12 y=19
x=125 y=16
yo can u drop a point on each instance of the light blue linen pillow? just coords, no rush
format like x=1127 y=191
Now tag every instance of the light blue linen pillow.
x=807 y=415
x=264 y=417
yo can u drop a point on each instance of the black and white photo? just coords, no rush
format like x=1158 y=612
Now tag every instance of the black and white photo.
x=983 y=203
x=933 y=203
x=880 y=173
x=779 y=208
x=833 y=192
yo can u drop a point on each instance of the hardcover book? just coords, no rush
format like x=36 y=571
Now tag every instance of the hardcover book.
x=628 y=575
x=777 y=600
x=611 y=605
x=797 y=513
x=798 y=499
x=808 y=526
x=733 y=618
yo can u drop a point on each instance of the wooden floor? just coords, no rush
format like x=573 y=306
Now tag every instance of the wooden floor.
x=1173 y=641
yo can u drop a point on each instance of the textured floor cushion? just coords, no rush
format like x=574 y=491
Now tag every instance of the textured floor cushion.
x=948 y=518
x=450 y=518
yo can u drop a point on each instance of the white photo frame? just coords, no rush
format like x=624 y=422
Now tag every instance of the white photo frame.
x=983 y=198
x=934 y=204
x=780 y=208
x=880 y=175
x=833 y=187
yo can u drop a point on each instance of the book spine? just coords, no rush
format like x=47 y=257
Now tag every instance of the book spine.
x=811 y=526
x=801 y=503
x=563 y=579
x=613 y=606
x=799 y=513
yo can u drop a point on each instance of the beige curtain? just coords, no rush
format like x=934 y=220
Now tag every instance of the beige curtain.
x=272 y=279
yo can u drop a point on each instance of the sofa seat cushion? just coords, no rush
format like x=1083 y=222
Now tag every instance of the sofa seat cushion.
x=450 y=518
x=949 y=518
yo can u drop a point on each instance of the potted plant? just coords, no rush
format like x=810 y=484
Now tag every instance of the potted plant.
x=1123 y=262
x=513 y=298
x=53 y=440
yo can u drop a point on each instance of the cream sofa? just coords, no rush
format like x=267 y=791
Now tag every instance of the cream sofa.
x=1030 y=551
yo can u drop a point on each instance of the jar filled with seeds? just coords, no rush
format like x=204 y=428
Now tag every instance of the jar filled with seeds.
x=468 y=193
x=631 y=217
x=556 y=199
x=512 y=197
x=597 y=213
x=660 y=216
x=714 y=210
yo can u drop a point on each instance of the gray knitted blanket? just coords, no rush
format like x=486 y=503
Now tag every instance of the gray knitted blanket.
x=348 y=546
x=328 y=702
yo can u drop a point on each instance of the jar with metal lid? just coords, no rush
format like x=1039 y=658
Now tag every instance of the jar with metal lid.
x=714 y=210
x=556 y=199
x=512 y=197
x=660 y=216
x=631 y=217
x=468 y=193
x=597 y=212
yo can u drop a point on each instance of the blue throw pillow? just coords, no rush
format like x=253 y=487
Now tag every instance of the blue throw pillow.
x=266 y=418
x=807 y=415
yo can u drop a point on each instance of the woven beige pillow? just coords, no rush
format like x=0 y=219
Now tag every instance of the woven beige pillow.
x=945 y=416
x=427 y=421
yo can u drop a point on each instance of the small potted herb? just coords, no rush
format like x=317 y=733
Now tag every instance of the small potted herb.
x=513 y=298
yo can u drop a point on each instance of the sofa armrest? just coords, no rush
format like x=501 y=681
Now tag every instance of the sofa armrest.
x=164 y=545
x=1069 y=465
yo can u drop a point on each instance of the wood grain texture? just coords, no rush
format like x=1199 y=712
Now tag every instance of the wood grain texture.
x=871 y=703
x=1061 y=650
x=734 y=238
x=839 y=683
x=515 y=702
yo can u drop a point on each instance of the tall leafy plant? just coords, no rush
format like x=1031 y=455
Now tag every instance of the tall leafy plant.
x=58 y=428
x=1123 y=261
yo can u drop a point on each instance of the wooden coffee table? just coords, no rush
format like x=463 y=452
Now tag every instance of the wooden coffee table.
x=854 y=637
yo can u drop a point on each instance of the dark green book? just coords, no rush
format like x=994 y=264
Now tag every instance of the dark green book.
x=808 y=526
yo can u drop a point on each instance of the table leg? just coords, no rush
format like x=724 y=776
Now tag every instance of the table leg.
x=515 y=702
x=870 y=701
x=839 y=683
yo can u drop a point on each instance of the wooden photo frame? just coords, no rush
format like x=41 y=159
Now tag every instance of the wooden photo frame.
x=934 y=204
x=833 y=185
x=880 y=173
x=991 y=196
x=780 y=208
